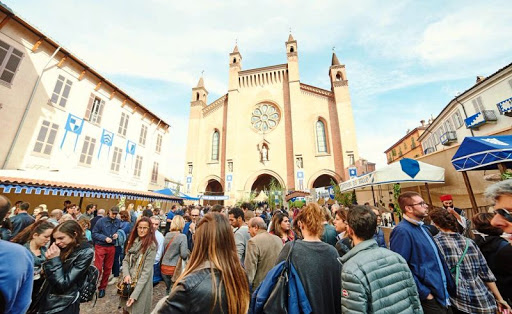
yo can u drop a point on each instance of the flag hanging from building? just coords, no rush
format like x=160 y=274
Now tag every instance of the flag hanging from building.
x=75 y=125
x=107 y=138
x=130 y=148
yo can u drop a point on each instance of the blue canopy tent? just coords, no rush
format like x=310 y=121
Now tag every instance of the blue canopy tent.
x=482 y=153
x=171 y=192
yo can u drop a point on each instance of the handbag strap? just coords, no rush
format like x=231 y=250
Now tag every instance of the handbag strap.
x=168 y=245
x=288 y=257
x=457 y=266
x=140 y=267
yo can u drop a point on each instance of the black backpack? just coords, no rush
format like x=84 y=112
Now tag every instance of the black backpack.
x=88 y=288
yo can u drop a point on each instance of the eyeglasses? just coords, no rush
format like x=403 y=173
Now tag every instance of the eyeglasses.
x=505 y=213
x=420 y=203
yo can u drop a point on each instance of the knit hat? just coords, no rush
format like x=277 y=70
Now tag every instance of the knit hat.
x=446 y=197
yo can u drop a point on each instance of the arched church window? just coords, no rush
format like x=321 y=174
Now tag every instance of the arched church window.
x=291 y=49
x=234 y=60
x=197 y=96
x=215 y=145
x=338 y=76
x=321 y=140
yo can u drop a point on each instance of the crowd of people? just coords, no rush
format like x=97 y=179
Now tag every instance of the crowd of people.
x=242 y=259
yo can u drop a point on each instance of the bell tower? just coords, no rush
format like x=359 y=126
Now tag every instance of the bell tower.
x=199 y=94
x=293 y=59
x=339 y=87
x=235 y=66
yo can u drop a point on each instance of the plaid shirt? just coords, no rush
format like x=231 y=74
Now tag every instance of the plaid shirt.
x=473 y=296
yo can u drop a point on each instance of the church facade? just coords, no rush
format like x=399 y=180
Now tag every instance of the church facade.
x=270 y=126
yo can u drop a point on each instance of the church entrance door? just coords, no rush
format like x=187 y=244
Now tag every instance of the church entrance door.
x=213 y=188
x=262 y=182
x=324 y=180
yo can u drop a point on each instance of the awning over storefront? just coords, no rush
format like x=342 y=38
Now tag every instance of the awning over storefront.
x=407 y=172
x=483 y=153
x=57 y=188
x=172 y=192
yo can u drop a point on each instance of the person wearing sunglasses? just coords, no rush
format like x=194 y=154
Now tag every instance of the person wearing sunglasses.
x=411 y=239
x=501 y=194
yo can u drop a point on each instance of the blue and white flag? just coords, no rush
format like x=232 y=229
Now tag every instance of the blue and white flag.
x=130 y=148
x=107 y=138
x=75 y=125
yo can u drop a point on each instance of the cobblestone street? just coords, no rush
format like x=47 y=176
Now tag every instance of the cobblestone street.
x=110 y=303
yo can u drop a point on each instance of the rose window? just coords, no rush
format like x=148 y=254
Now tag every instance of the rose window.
x=265 y=117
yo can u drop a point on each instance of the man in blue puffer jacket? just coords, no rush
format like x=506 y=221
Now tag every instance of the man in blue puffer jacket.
x=374 y=279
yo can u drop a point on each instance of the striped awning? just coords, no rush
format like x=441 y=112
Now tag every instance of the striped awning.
x=57 y=188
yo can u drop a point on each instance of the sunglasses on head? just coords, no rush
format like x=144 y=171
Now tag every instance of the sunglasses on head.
x=505 y=213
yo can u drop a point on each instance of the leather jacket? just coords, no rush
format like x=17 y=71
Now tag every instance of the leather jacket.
x=64 y=278
x=194 y=294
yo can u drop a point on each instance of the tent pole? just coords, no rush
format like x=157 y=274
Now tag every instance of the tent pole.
x=470 y=191
x=429 y=196
x=502 y=168
x=373 y=195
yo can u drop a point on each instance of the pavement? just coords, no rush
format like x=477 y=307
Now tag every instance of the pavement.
x=110 y=303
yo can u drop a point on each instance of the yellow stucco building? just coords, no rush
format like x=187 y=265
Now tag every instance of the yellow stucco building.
x=270 y=125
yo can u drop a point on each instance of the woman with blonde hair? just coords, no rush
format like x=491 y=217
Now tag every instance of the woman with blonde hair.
x=315 y=261
x=175 y=247
x=214 y=281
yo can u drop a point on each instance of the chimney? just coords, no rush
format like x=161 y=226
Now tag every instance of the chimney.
x=422 y=122
x=479 y=79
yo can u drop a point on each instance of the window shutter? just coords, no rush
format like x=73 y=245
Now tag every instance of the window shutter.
x=510 y=83
x=57 y=89
x=480 y=104
x=100 y=112
x=89 y=108
x=65 y=94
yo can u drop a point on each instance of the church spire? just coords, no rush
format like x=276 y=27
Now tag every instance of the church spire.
x=335 y=60
x=200 y=83
x=235 y=50
x=290 y=38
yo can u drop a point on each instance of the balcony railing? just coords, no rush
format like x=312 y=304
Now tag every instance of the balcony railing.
x=428 y=150
x=448 y=138
x=505 y=107
x=480 y=118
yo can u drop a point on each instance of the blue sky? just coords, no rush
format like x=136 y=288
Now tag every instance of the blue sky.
x=405 y=59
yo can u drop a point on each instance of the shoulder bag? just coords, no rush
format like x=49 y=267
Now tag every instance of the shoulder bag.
x=277 y=301
x=167 y=269
x=125 y=289
x=456 y=269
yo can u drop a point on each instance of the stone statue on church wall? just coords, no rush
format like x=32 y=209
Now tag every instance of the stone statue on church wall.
x=264 y=152
x=299 y=162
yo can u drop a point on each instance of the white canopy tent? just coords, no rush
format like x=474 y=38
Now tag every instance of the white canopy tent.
x=408 y=172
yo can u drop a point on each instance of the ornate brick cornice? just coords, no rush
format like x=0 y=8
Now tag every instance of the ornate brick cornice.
x=341 y=83
x=341 y=66
x=315 y=90
x=291 y=54
x=214 y=105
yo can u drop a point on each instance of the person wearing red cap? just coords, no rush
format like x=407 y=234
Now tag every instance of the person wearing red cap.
x=460 y=215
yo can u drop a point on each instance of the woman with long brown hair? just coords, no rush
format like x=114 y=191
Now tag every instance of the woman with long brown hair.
x=138 y=262
x=281 y=227
x=68 y=259
x=214 y=281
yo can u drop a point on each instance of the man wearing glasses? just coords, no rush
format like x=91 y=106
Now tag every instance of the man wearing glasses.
x=501 y=194
x=413 y=241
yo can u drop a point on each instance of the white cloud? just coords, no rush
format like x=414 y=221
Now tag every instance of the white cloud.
x=470 y=33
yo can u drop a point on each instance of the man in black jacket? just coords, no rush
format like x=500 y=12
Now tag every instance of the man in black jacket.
x=104 y=234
